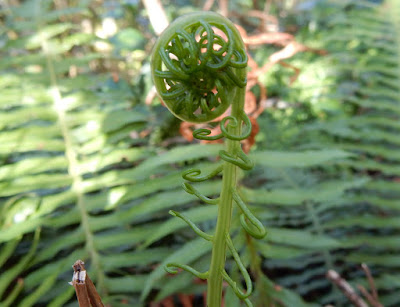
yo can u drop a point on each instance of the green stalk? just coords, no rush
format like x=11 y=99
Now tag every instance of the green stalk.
x=229 y=181
x=199 y=74
x=71 y=156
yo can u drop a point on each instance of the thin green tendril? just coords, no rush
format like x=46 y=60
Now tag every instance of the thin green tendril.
x=194 y=174
x=193 y=191
x=242 y=160
x=233 y=122
x=257 y=229
x=203 y=134
x=172 y=269
x=242 y=269
x=191 y=225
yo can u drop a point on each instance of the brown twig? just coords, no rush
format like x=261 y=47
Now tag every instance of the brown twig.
x=208 y=5
x=343 y=285
x=158 y=17
x=346 y=288
x=81 y=294
x=84 y=288
x=370 y=281
x=372 y=297
x=223 y=7
x=369 y=297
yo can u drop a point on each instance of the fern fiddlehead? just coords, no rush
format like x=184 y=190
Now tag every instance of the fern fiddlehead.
x=199 y=70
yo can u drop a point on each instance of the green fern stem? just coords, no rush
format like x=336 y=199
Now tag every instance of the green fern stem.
x=71 y=156
x=229 y=182
x=199 y=70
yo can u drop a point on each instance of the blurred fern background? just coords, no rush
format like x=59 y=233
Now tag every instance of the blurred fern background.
x=88 y=170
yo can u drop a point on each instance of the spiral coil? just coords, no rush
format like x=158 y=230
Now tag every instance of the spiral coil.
x=198 y=66
x=195 y=68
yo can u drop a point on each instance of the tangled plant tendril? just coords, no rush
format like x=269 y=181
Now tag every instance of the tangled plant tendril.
x=199 y=69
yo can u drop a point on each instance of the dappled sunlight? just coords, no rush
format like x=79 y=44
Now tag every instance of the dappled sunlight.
x=91 y=159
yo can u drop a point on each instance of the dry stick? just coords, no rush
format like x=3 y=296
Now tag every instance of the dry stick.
x=223 y=7
x=372 y=299
x=81 y=294
x=369 y=297
x=207 y=5
x=345 y=287
x=85 y=290
x=159 y=21
x=370 y=281
x=157 y=16
x=78 y=281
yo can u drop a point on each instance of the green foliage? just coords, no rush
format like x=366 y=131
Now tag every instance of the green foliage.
x=371 y=66
x=358 y=93
x=87 y=171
